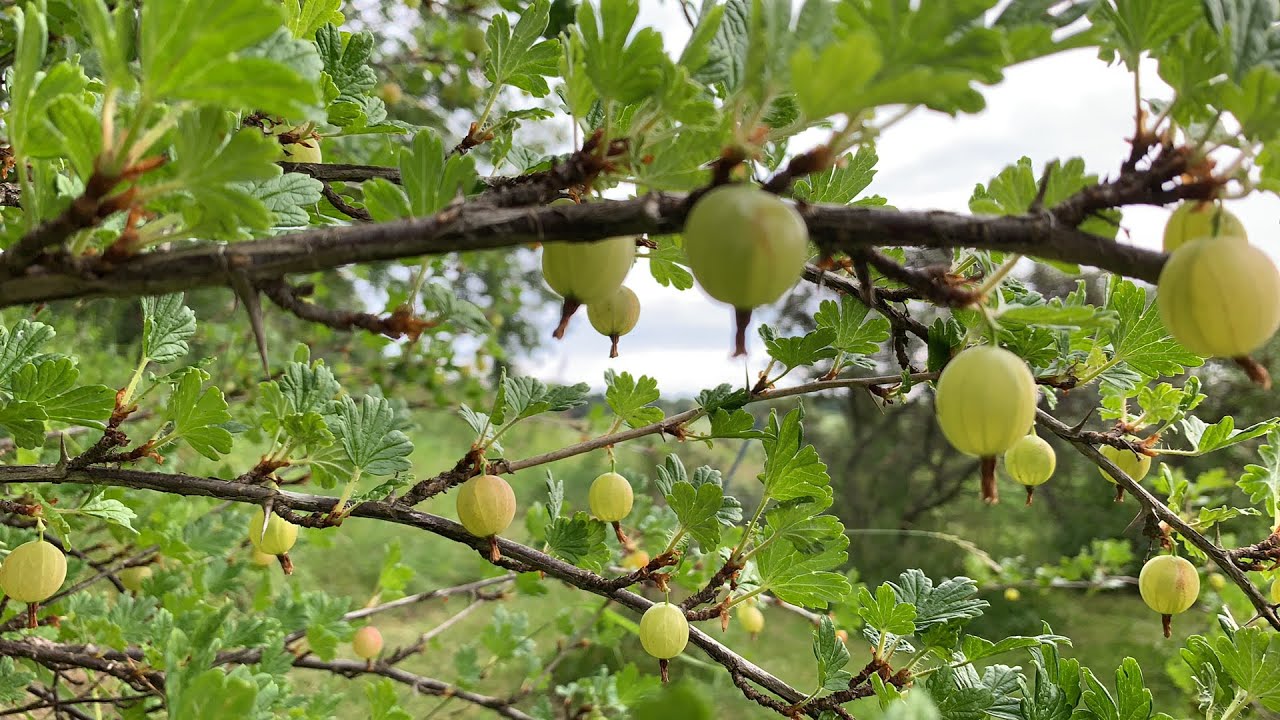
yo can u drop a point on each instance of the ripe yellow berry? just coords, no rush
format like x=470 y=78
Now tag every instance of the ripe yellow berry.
x=486 y=505
x=610 y=497
x=1012 y=594
x=1169 y=585
x=33 y=572
x=367 y=642
x=1220 y=296
x=279 y=536
x=1133 y=465
x=1194 y=219
x=635 y=560
x=664 y=631
x=751 y=618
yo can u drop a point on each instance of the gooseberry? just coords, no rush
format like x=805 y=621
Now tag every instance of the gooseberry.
x=260 y=558
x=985 y=404
x=305 y=150
x=586 y=272
x=1217 y=581
x=610 y=497
x=1219 y=297
x=1012 y=594
x=1169 y=585
x=131 y=577
x=635 y=560
x=1134 y=465
x=33 y=572
x=664 y=631
x=486 y=505
x=842 y=636
x=1195 y=219
x=278 y=537
x=1030 y=462
x=751 y=618
x=615 y=316
x=367 y=642
x=746 y=247
x=1275 y=591
x=391 y=93
x=473 y=40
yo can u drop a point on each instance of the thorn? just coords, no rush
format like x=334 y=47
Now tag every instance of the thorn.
x=1080 y=425
x=64 y=458
x=248 y=294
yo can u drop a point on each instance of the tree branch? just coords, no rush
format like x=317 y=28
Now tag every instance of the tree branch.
x=1222 y=558
x=480 y=225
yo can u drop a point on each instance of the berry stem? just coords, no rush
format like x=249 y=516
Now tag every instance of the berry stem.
x=613 y=348
x=990 y=494
x=494 y=553
x=1255 y=371
x=1167 y=621
x=1119 y=493
x=286 y=564
x=623 y=540
x=567 y=310
x=32 y=609
x=742 y=318
x=1031 y=493
x=662 y=667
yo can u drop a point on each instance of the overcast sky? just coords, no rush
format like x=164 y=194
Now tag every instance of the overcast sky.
x=1063 y=106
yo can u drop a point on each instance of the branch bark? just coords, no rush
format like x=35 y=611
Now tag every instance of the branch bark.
x=482 y=226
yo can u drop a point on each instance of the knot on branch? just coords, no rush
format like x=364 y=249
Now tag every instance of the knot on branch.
x=400 y=323
x=577 y=172
x=465 y=469
x=1264 y=555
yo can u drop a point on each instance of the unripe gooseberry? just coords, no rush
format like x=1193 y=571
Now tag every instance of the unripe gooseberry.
x=367 y=642
x=1169 y=585
x=305 y=150
x=486 y=505
x=257 y=557
x=1030 y=462
x=635 y=560
x=1195 y=219
x=751 y=618
x=610 y=497
x=664 y=631
x=33 y=572
x=279 y=537
x=586 y=272
x=1275 y=591
x=1217 y=581
x=391 y=93
x=131 y=577
x=1012 y=594
x=985 y=404
x=615 y=316
x=1134 y=465
x=1220 y=297
x=746 y=247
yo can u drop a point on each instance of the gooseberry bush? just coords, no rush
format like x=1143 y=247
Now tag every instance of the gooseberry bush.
x=221 y=349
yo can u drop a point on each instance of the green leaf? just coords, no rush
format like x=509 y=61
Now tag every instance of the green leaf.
x=954 y=599
x=196 y=50
x=1058 y=316
x=213 y=694
x=433 y=178
x=1254 y=102
x=843 y=182
x=308 y=388
x=795 y=352
x=167 y=324
x=197 y=417
x=723 y=396
x=1248 y=27
x=1014 y=190
x=736 y=424
x=631 y=399
x=1214 y=689
x=383 y=702
x=698 y=509
x=514 y=59
x=1252 y=659
x=832 y=656
x=1262 y=482
x=13 y=682
x=959 y=701
x=1208 y=438
x=305 y=17
x=394 y=575
x=976 y=648
x=579 y=540
x=25 y=423
x=346 y=61
x=287 y=196
x=20 y=346
x=1140 y=340
x=526 y=397
x=856 y=334
x=668 y=262
x=624 y=65
x=1135 y=27
x=821 y=93
x=51 y=385
x=110 y=510
x=792 y=469
x=804 y=578
x=885 y=613
x=1132 y=701
x=799 y=522
x=367 y=433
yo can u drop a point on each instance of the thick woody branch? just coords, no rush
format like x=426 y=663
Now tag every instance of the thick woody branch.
x=1151 y=504
x=400 y=323
x=482 y=226
x=430 y=686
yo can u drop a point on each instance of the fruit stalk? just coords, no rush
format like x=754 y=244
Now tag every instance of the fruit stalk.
x=567 y=310
x=286 y=564
x=613 y=347
x=623 y=540
x=1255 y=371
x=990 y=493
x=742 y=319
